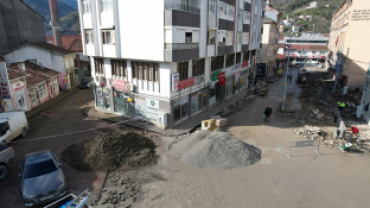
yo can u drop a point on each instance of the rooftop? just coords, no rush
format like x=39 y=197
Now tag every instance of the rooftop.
x=34 y=73
x=53 y=48
x=73 y=43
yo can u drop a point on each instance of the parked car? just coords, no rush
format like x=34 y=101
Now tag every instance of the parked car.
x=41 y=178
x=12 y=125
x=6 y=154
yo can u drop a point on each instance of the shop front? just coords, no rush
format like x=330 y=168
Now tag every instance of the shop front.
x=230 y=86
x=244 y=79
x=121 y=103
x=181 y=109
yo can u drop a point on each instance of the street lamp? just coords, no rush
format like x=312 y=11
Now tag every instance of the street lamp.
x=286 y=77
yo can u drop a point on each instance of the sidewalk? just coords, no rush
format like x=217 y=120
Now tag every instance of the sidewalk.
x=184 y=127
x=41 y=108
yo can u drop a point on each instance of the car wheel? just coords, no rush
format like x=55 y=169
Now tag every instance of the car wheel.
x=24 y=131
x=3 y=172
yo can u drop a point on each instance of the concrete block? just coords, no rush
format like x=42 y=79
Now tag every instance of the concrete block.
x=221 y=122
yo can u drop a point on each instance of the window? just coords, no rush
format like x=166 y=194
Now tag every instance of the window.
x=220 y=62
x=145 y=71
x=107 y=5
x=239 y=37
x=246 y=17
x=245 y=37
x=238 y=57
x=139 y=70
x=188 y=37
x=133 y=69
x=99 y=67
x=211 y=37
x=185 y=3
x=229 y=36
x=119 y=68
x=156 y=72
x=198 y=67
x=212 y=6
x=89 y=37
x=86 y=6
x=223 y=9
x=40 y=168
x=231 y=12
x=32 y=61
x=150 y=71
x=240 y=15
x=108 y=37
x=230 y=60
x=183 y=70
x=41 y=89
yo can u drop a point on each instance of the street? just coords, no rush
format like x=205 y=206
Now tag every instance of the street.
x=336 y=179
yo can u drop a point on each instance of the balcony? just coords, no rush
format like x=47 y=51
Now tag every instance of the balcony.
x=181 y=7
x=181 y=46
x=175 y=52
x=181 y=15
x=56 y=23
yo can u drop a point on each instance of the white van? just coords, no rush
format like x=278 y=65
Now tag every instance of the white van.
x=12 y=125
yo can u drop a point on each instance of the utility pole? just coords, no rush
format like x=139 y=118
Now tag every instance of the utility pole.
x=286 y=77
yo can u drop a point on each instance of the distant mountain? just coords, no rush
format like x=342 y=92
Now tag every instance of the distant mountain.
x=42 y=7
x=72 y=3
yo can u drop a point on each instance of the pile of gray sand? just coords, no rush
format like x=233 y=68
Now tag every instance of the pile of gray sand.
x=215 y=150
x=111 y=151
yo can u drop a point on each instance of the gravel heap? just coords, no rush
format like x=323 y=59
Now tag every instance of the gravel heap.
x=215 y=150
x=111 y=151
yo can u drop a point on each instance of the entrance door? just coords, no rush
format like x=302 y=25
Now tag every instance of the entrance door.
x=120 y=103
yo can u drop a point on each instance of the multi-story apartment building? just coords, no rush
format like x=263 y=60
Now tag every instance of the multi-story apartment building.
x=349 y=42
x=159 y=60
x=270 y=40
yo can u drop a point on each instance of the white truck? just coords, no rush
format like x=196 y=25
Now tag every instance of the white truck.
x=6 y=154
x=12 y=125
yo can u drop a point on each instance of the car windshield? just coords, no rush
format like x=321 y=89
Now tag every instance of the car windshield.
x=38 y=169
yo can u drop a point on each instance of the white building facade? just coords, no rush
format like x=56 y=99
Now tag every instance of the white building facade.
x=159 y=60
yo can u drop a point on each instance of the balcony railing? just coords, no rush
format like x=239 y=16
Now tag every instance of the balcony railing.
x=181 y=7
x=221 y=44
x=56 y=23
x=181 y=46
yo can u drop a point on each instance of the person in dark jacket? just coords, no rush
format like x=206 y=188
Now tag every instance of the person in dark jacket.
x=267 y=113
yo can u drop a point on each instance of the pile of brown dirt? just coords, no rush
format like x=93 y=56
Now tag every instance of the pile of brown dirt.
x=111 y=151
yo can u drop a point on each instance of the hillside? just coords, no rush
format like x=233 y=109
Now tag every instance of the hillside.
x=321 y=15
x=71 y=21
x=64 y=10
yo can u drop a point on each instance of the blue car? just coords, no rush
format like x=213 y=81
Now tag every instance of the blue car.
x=41 y=178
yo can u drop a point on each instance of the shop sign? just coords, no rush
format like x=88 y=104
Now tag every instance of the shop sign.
x=245 y=64
x=140 y=108
x=227 y=72
x=120 y=85
x=215 y=75
x=4 y=83
x=187 y=83
x=20 y=97
x=181 y=101
x=194 y=104
x=175 y=81
x=152 y=106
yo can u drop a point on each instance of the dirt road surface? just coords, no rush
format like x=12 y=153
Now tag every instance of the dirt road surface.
x=336 y=179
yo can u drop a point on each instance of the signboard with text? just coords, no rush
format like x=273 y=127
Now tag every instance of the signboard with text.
x=187 y=83
x=120 y=85
x=4 y=81
x=245 y=64
x=152 y=108
x=20 y=97
x=215 y=75
x=175 y=81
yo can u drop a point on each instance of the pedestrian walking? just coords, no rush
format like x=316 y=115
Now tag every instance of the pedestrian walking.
x=341 y=106
x=267 y=113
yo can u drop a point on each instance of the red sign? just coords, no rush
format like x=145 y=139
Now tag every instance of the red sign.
x=186 y=83
x=245 y=64
x=221 y=79
x=119 y=85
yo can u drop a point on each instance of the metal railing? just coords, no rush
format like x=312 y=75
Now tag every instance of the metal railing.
x=221 y=44
x=181 y=7
x=56 y=23
x=181 y=46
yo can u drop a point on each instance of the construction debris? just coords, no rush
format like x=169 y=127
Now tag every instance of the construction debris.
x=215 y=150
x=111 y=151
